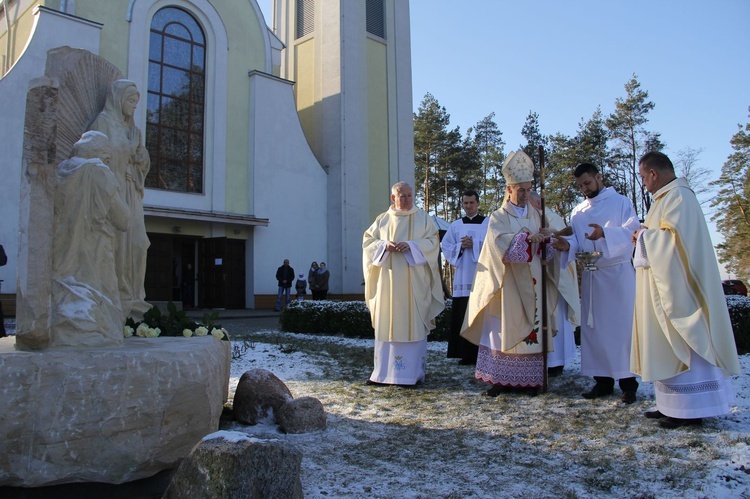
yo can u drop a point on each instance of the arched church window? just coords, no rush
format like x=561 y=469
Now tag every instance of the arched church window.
x=175 y=102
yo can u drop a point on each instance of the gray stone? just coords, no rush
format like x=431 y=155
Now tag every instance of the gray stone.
x=108 y=415
x=302 y=415
x=258 y=396
x=228 y=465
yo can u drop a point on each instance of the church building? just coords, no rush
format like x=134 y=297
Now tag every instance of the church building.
x=266 y=142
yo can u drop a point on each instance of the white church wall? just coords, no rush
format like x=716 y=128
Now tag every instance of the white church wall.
x=289 y=186
x=51 y=29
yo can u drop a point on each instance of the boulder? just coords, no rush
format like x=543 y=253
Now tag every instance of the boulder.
x=230 y=464
x=109 y=415
x=301 y=415
x=258 y=396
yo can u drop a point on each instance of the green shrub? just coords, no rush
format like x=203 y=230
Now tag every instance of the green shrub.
x=344 y=318
x=352 y=320
x=739 y=313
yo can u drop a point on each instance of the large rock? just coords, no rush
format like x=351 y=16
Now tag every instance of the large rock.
x=107 y=414
x=258 y=396
x=302 y=415
x=228 y=465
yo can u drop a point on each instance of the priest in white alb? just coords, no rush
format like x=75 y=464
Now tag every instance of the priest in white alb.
x=461 y=246
x=504 y=315
x=682 y=334
x=402 y=288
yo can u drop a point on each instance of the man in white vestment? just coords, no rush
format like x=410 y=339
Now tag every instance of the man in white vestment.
x=682 y=335
x=568 y=304
x=402 y=288
x=461 y=246
x=504 y=315
x=604 y=222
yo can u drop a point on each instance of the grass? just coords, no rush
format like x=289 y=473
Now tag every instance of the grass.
x=445 y=440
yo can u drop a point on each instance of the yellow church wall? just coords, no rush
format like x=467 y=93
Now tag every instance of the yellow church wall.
x=377 y=124
x=304 y=88
x=114 y=39
x=20 y=31
x=246 y=53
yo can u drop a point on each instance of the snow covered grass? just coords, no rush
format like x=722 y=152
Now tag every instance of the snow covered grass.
x=446 y=440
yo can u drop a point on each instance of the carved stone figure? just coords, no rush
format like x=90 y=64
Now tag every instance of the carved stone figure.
x=130 y=163
x=88 y=213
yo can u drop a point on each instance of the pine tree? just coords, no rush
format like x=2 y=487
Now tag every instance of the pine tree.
x=631 y=140
x=732 y=205
x=489 y=143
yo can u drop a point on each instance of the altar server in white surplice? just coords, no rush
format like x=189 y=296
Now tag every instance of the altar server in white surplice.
x=682 y=335
x=604 y=222
x=461 y=246
x=402 y=288
x=568 y=304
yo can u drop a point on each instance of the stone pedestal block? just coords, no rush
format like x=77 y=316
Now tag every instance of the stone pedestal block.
x=233 y=465
x=108 y=415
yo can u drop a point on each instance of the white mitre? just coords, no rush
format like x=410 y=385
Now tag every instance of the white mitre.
x=518 y=168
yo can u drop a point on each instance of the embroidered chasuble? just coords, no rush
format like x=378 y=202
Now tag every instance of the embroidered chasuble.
x=504 y=312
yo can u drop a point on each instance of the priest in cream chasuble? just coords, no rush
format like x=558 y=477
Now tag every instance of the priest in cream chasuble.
x=682 y=334
x=402 y=288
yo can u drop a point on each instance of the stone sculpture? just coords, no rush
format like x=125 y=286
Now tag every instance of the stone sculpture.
x=130 y=163
x=89 y=212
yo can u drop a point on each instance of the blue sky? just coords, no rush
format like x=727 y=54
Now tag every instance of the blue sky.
x=562 y=59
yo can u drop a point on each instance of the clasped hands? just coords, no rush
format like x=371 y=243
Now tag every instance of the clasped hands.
x=401 y=247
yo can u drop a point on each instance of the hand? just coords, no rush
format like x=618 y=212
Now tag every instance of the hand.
x=637 y=232
x=467 y=242
x=400 y=247
x=536 y=238
x=546 y=232
x=561 y=244
x=597 y=233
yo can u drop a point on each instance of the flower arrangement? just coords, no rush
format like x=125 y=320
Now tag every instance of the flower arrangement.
x=175 y=323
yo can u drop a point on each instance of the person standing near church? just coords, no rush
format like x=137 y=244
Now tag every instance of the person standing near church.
x=682 y=335
x=311 y=276
x=284 y=276
x=321 y=281
x=461 y=246
x=568 y=304
x=402 y=288
x=504 y=315
x=604 y=221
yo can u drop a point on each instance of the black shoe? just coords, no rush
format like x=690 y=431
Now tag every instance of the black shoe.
x=370 y=382
x=533 y=392
x=672 y=423
x=653 y=415
x=495 y=391
x=628 y=397
x=598 y=391
x=467 y=362
x=553 y=372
